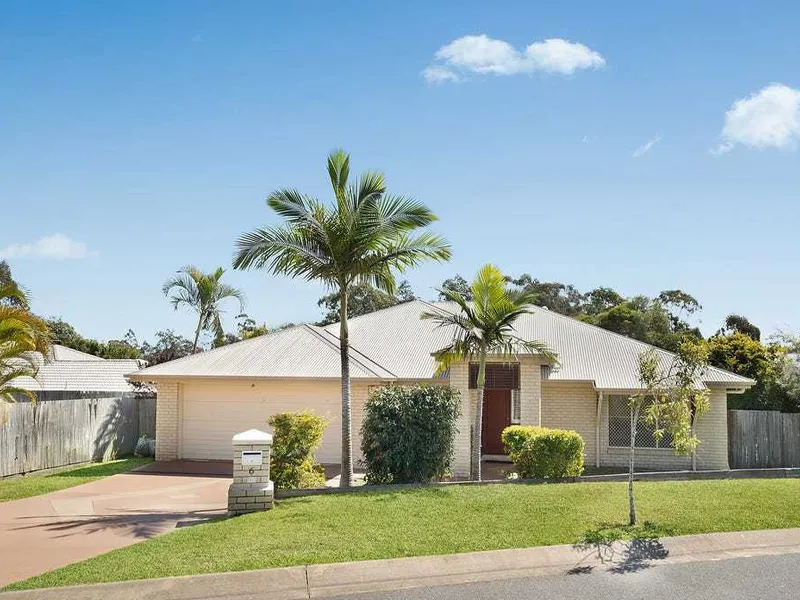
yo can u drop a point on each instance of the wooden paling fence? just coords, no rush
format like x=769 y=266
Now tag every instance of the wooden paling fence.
x=760 y=439
x=49 y=434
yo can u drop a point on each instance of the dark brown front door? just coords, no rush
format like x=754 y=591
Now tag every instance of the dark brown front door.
x=496 y=417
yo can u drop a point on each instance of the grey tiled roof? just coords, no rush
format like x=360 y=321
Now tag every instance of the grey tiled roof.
x=81 y=376
x=395 y=343
x=300 y=351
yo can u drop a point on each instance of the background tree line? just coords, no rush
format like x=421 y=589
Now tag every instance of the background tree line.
x=664 y=321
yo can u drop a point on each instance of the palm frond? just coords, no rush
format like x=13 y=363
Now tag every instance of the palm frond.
x=225 y=291
x=402 y=213
x=485 y=325
x=25 y=342
x=339 y=172
x=295 y=207
x=282 y=251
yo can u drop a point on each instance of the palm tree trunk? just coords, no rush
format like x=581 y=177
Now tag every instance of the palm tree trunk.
x=477 y=428
x=346 y=477
x=631 y=499
x=197 y=335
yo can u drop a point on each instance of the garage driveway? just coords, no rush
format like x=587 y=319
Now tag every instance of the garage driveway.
x=46 y=532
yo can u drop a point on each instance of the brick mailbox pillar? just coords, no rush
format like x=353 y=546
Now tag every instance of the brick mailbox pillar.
x=251 y=489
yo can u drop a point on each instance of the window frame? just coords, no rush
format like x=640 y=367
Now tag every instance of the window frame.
x=516 y=408
x=664 y=444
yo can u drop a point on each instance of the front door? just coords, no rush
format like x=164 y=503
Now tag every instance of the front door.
x=496 y=417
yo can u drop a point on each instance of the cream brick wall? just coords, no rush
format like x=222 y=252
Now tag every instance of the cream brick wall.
x=530 y=391
x=711 y=429
x=572 y=406
x=167 y=420
x=459 y=380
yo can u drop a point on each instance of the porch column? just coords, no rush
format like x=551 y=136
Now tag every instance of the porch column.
x=167 y=420
x=597 y=429
x=530 y=390
x=459 y=380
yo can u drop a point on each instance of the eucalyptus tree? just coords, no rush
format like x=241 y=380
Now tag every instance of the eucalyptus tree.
x=363 y=237
x=203 y=293
x=481 y=327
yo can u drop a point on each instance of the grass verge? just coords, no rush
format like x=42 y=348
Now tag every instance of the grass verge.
x=412 y=522
x=14 y=488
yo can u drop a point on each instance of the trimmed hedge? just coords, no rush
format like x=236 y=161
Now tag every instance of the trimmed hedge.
x=408 y=432
x=539 y=452
x=296 y=437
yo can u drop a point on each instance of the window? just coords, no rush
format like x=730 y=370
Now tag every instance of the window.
x=619 y=427
x=515 y=408
x=498 y=376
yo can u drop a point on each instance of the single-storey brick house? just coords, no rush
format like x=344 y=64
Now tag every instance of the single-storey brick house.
x=204 y=399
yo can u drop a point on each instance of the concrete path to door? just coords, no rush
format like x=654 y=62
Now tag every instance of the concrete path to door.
x=46 y=532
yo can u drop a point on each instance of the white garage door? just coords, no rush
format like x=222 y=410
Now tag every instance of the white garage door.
x=212 y=413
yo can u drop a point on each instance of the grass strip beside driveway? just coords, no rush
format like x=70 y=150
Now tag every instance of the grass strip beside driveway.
x=413 y=522
x=14 y=488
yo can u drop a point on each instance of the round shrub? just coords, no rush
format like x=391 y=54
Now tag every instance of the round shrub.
x=539 y=452
x=407 y=434
x=296 y=436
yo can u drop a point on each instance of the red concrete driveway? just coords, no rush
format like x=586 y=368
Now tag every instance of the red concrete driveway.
x=46 y=532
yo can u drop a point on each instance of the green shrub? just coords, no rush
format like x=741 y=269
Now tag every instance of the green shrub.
x=539 y=452
x=296 y=437
x=408 y=432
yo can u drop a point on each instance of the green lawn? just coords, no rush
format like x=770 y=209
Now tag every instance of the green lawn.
x=369 y=525
x=34 y=485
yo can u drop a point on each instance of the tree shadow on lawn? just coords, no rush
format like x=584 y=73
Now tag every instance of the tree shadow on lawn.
x=623 y=548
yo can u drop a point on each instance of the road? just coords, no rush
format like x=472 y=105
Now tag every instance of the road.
x=773 y=577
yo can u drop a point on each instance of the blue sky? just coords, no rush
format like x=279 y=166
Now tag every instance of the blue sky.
x=145 y=136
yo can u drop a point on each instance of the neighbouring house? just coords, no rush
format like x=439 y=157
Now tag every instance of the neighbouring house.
x=68 y=374
x=204 y=399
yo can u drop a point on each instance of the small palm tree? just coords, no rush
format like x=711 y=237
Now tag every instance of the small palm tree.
x=484 y=326
x=22 y=335
x=203 y=293
x=363 y=237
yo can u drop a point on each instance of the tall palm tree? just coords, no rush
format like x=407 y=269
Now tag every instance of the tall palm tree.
x=483 y=326
x=363 y=237
x=22 y=335
x=204 y=294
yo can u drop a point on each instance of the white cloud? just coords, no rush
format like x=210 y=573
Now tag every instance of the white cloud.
x=769 y=118
x=646 y=147
x=562 y=56
x=436 y=74
x=482 y=54
x=57 y=246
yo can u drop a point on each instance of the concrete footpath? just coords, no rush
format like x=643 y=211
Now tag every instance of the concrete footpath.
x=320 y=581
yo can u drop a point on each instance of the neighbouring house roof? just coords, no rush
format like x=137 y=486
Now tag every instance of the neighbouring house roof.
x=395 y=344
x=60 y=353
x=73 y=371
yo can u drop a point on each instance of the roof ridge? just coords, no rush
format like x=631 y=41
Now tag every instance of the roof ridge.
x=374 y=312
x=218 y=349
x=319 y=332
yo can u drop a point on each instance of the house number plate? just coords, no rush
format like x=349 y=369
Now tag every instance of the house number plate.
x=251 y=458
